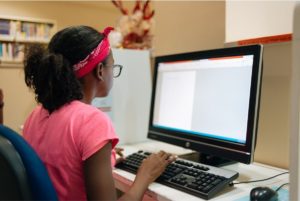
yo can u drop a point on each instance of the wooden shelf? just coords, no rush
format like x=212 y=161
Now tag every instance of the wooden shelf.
x=6 y=38
x=31 y=40
x=11 y=64
x=17 y=33
x=12 y=39
x=28 y=19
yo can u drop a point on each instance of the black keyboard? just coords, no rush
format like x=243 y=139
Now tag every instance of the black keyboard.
x=203 y=181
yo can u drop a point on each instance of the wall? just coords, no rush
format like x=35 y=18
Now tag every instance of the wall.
x=273 y=129
x=188 y=26
x=17 y=98
x=253 y=19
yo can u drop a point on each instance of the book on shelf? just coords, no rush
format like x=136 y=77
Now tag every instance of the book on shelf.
x=16 y=34
x=25 y=31
x=35 y=31
x=1 y=50
x=4 y=27
x=11 y=52
x=4 y=52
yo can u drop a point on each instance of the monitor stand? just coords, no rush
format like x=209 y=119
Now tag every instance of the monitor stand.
x=207 y=159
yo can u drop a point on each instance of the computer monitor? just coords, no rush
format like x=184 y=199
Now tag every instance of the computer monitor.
x=208 y=101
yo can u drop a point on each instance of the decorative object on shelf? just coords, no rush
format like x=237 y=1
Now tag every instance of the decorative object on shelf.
x=17 y=32
x=134 y=30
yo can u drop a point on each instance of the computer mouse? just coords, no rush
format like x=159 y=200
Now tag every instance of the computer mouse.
x=263 y=194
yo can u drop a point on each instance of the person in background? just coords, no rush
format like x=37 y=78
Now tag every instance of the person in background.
x=1 y=106
x=75 y=140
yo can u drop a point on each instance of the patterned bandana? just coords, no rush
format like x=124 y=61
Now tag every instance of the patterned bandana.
x=96 y=56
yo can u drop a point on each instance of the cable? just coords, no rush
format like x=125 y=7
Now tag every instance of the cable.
x=244 y=182
x=281 y=187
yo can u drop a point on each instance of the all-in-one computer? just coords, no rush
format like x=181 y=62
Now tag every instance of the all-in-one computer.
x=207 y=101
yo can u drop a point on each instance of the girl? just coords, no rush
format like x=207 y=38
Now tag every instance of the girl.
x=75 y=140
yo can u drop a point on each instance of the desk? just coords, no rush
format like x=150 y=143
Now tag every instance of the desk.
x=239 y=192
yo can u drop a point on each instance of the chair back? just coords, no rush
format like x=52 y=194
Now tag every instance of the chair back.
x=23 y=175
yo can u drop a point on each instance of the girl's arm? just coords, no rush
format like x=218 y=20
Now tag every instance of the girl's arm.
x=99 y=180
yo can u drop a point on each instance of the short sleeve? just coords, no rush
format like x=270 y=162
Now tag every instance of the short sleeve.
x=96 y=130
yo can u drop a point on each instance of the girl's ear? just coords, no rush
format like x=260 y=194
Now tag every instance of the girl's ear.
x=99 y=71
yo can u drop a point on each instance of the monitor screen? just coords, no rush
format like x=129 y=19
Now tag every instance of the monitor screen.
x=208 y=101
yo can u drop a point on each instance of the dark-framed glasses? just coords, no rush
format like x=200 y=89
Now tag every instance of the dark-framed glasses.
x=117 y=69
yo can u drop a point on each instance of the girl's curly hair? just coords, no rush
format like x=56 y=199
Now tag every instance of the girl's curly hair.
x=49 y=71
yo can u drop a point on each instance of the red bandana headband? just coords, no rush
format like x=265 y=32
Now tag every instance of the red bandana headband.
x=96 y=56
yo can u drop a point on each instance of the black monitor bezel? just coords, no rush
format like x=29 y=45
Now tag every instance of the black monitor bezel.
x=230 y=150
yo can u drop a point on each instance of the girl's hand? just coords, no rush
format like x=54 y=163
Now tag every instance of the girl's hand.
x=153 y=166
x=119 y=154
x=1 y=97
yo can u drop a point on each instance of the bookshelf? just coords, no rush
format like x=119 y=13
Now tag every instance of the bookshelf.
x=17 y=32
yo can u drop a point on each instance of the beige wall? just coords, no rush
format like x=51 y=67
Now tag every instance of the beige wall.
x=253 y=19
x=188 y=26
x=17 y=98
x=274 y=120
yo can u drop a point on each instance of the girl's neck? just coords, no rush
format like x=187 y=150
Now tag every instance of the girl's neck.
x=89 y=88
x=88 y=97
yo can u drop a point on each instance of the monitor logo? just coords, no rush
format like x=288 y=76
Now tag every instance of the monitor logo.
x=187 y=144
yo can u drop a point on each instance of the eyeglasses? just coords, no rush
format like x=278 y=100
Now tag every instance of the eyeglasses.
x=117 y=69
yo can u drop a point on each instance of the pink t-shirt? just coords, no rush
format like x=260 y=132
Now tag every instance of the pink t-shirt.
x=66 y=138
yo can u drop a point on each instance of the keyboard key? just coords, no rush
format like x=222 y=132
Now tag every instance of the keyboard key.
x=215 y=182
x=200 y=167
x=192 y=185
